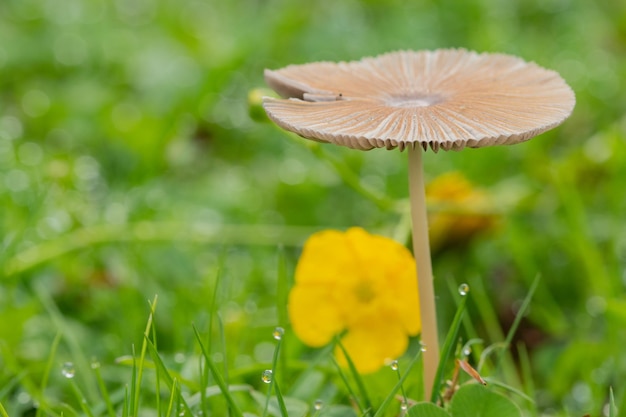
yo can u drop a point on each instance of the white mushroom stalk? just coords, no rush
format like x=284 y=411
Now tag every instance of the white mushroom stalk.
x=443 y=100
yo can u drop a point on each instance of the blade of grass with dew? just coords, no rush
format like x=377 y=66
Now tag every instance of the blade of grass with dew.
x=274 y=383
x=447 y=348
x=398 y=385
x=470 y=330
x=357 y=377
x=234 y=408
x=170 y=381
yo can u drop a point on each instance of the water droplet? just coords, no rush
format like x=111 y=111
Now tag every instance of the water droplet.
x=68 y=370
x=318 y=404
x=404 y=405
x=467 y=350
x=95 y=365
x=278 y=333
x=463 y=289
x=267 y=376
x=422 y=347
x=179 y=357
x=394 y=365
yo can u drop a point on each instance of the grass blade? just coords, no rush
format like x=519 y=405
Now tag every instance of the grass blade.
x=447 y=348
x=48 y=370
x=518 y=317
x=3 y=412
x=281 y=400
x=613 y=412
x=282 y=299
x=170 y=381
x=132 y=410
x=81 y=398
x=344 y=378
x=103 y=389
x=138 y=375
x=357 y=377
x=173 y=393
x=398 y=385
x=274 y=384
x=219 y=380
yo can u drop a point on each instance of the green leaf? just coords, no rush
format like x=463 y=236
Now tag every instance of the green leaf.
x=427 y=409
x=475 y=400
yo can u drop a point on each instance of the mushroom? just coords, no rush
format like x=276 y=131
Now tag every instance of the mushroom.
x=444 y=99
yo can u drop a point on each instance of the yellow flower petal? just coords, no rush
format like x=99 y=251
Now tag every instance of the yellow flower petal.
x=370 y=347
x=362 y=283
x=314 y=315
x=324 y=259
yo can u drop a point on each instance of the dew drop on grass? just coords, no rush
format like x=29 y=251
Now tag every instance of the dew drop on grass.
x=404 y=405
x=467 y=351
x=318 y=404
x=68 y=370
x=422 y=347
x=393 y=365
x=463 y=289
x=278 y=333
x=95 y=365
x=267 y=376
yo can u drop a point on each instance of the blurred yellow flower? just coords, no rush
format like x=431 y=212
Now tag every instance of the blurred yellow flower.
x=458 y=211
x=360 y=283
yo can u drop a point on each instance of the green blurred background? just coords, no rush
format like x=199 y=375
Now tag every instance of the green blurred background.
x=129 y=167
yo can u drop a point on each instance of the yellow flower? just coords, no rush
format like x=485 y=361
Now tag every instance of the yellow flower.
x=459 y=211
x=360 y=283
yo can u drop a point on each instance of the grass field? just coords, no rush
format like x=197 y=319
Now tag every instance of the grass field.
x=133 y=179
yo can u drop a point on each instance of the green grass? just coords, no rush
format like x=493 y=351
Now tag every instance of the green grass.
x=130 y=168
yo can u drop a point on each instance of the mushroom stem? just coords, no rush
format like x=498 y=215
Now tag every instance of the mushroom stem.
x=421 y=251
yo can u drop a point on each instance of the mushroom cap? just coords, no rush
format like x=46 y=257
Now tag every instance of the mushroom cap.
x=445 y=99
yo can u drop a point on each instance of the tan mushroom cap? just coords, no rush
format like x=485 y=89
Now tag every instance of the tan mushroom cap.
x=444 y=99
